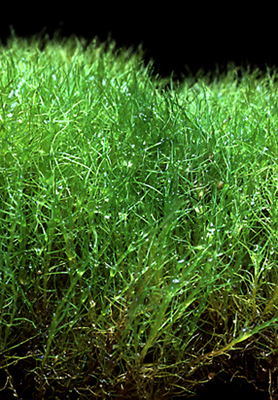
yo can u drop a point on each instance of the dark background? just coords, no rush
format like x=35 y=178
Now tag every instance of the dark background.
x=174 y=35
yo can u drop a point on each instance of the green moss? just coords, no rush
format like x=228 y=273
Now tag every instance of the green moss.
x=138 y=223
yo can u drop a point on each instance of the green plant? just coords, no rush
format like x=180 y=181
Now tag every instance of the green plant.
x=138 y=223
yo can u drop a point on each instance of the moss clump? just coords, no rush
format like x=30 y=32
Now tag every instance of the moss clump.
x=138 y=225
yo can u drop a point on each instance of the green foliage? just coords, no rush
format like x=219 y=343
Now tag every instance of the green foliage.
x=138 y=224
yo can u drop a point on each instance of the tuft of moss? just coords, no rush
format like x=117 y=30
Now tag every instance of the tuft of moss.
x=138 y=224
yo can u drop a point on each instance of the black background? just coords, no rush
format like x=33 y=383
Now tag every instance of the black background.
x=176 y=35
